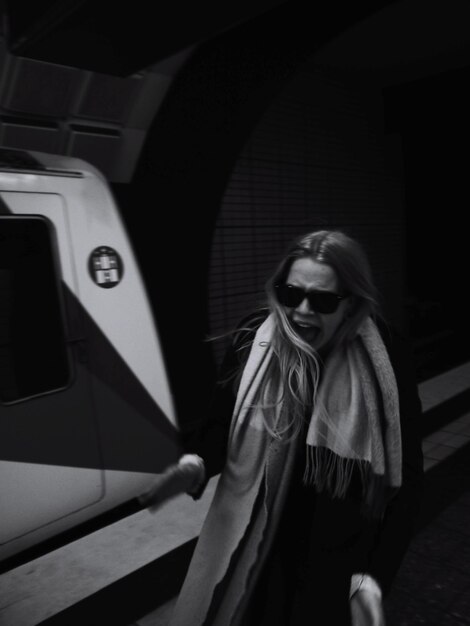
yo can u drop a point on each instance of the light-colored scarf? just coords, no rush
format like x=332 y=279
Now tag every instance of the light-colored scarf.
x=355 y=420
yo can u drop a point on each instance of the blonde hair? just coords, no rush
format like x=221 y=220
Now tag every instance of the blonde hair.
x=288 y=392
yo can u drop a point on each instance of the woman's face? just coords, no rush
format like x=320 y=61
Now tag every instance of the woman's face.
x=314 y=327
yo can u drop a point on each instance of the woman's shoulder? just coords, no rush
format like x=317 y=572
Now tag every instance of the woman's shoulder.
x=395 y=339
x=241 y=341
x=402 y=355
x=246 y=328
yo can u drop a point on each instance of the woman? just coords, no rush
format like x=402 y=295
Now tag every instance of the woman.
x=314 y=430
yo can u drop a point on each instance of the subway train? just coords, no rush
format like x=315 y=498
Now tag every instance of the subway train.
x=86 y=413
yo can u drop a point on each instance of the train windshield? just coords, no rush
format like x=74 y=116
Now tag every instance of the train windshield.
x=33 y=355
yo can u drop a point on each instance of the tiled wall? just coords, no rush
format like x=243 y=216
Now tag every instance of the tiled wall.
x=318 y=158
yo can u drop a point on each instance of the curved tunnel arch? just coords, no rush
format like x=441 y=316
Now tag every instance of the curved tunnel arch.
x=172 y=203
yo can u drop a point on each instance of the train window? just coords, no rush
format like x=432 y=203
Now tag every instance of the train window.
x=33 y=356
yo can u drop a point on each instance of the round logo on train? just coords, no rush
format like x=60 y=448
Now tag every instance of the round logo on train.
x=105 y=266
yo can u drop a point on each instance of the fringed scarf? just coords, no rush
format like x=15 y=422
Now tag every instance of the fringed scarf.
x=355 y=420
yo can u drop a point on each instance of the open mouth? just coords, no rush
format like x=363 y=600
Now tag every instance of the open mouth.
x=304 y=324
x=306 y=330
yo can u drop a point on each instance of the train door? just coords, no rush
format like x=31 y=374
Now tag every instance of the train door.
x=50 y=465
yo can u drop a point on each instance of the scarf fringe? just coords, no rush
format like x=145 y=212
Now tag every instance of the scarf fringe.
x=330 y=473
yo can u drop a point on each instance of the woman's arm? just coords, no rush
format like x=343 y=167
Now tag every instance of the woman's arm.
x=211 y=440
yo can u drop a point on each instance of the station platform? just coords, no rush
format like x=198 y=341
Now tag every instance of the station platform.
x=129 y=573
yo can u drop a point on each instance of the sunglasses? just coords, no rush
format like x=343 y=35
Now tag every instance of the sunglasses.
x=318 y=301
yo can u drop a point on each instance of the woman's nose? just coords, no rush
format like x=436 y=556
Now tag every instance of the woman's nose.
x=304 y=307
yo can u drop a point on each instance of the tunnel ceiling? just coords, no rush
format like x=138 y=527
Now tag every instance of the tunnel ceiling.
x=118 y=39
x=403 y=41
x=84 y=80
x=86 y=34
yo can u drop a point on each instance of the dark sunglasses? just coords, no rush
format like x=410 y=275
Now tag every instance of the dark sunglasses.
x=319 y=301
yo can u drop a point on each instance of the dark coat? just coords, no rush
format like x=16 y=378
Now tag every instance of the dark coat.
x=321 y=541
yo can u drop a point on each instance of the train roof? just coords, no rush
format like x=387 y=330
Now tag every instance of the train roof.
x=29 y=161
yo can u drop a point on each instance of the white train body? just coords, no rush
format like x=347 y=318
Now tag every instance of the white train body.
x=86 y=416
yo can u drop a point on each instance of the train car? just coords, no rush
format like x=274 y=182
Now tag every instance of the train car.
x=87 y=415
